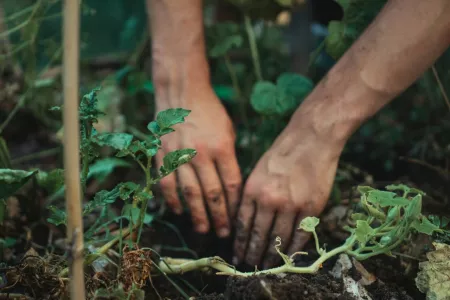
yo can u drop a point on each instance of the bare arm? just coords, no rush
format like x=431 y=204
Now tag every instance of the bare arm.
x=181 y=76
x=178 y=48
x=402 y=42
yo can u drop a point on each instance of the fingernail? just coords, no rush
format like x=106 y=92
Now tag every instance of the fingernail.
x=178 y=211
x=223 y=232
x=201 y=228
x=235 y=260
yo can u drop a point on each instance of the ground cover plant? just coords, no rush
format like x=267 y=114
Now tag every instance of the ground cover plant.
x=383 y=235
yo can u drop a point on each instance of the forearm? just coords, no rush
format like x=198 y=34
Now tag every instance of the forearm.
x=402 y=42
x=178 y=47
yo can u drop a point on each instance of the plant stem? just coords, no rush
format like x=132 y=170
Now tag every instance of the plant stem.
x=41 y=154
x=253 y=47
x=101 y=251
x=237 y=88
x=144 y=203
x=180 y=266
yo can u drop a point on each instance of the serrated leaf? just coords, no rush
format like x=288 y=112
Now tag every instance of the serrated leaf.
x=102 y=198
x=51 y=181
x=126 y=189
x=309 y=224
x=166 y=119
x=12 y=180
x=226 y=44
x=363 y=231
x=176 y=158
x=295 y=85
x=434 y=275
x=425 y=226
x=147 y=148
x=57 y=216
x=118 y=141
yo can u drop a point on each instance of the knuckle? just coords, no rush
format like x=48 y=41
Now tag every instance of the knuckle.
x=190 y=192
x=233 y=185
x=213 y=194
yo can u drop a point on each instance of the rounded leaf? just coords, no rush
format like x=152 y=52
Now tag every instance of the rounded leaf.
x=309 y=224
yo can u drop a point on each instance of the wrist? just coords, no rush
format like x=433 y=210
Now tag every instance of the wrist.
x=178 y=80
x=339 y=104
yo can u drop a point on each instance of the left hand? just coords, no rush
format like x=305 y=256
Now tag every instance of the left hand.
x=291 y=181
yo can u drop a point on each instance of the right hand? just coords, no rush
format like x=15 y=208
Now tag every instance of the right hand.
x=212 y=180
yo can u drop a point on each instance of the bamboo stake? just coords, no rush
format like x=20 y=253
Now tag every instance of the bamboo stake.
x=71 y=12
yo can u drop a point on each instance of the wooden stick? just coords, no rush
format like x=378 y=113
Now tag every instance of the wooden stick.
x=71 y=147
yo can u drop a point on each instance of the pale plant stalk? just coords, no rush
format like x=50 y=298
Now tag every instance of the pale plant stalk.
x=71 y=54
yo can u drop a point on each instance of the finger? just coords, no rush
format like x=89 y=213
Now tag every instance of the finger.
x=284 y=224
x=193 y=194
x=299 y=239
x=214 y=195
x=259 y=235
x=243 y=225
x=168 y=186
x=230 y=175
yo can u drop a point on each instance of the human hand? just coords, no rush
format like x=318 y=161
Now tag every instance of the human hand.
x=291 y=181
x=213 y=176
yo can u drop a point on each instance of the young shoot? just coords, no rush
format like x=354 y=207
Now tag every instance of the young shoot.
x=386 y=220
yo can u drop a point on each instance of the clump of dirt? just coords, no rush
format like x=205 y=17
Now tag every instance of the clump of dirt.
x=293 y=286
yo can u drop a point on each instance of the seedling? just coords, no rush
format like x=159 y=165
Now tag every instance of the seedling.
x=386 y=220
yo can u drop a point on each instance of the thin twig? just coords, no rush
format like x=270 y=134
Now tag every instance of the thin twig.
x=441 y=86
x=253 y=47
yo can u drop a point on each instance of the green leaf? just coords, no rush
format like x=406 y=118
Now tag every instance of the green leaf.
x=295 y=85
x=309 y=224
x=384 y=198
x=285 y=3
x=398 y=187
x=51 y=181
x=118 y=141
x=102 y=168
x=57 y=216
x=359 y=216
x=147 y=148
x=132 y=213
x=12 y=180
x=126 y=189
x=268 y=99
x=166 y=119
x=143 y=195
x=8 y=242
x=363 y=231
x=434 y=275
x=414 y=209
x=101 y=198
x=364 y=189
x=425 y=226
x=176 y=158
x=264 y=97
x=393 y=213
x=226 y=44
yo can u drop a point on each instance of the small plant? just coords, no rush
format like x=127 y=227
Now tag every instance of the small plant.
x=125 y=145
x=386 y=219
